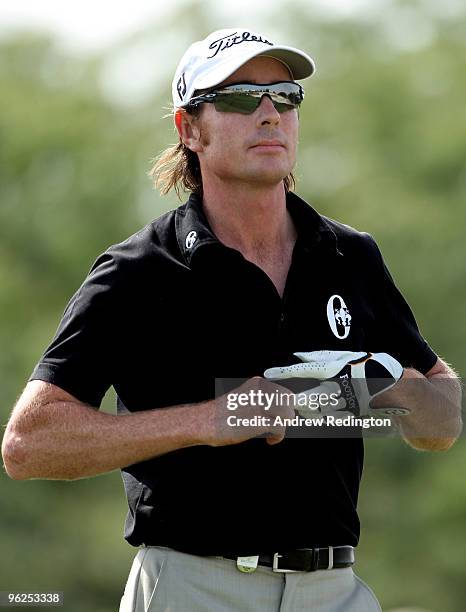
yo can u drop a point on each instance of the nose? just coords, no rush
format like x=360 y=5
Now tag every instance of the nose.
x=266 y=112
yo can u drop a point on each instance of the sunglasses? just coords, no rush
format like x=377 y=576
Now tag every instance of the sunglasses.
x=244 y=98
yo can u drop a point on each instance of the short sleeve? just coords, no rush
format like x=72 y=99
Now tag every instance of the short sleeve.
x=80 y=356
x=396 y=330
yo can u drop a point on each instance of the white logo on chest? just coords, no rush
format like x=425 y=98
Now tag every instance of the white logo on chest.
x=338 y=316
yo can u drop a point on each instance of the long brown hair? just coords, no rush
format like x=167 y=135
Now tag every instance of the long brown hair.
x=178 y=168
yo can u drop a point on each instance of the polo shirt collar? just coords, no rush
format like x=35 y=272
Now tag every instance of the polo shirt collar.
x=193 y=231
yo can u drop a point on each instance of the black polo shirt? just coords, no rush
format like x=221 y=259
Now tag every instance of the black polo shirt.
x=167 y=311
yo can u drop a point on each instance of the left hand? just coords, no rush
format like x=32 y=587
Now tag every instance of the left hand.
x=360 y=377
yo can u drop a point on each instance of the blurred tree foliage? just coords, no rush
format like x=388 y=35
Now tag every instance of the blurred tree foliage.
x=382 y=148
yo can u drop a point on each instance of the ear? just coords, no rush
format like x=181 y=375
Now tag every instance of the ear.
x=188 y=130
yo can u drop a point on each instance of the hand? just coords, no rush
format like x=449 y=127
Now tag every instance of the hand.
x=249 y=411
x=360 y=377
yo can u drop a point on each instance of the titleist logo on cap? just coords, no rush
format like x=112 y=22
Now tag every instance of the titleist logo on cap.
x=226 y=42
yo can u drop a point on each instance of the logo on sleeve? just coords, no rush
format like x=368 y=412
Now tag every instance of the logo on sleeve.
x=339 y=317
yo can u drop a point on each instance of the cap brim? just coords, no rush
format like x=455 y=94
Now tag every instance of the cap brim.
x=300 y=64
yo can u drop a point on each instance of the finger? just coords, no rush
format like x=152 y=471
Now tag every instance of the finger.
x=272 y=440
x=281 y=372
x=327 y=356
x=318 y=371
x=393 y=367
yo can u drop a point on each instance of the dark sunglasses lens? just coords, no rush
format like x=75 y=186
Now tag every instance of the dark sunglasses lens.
x=282 y=107
x=246 y=103
x=236 y=103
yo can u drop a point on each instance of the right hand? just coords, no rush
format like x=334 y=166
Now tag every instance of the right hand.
x=222 y=430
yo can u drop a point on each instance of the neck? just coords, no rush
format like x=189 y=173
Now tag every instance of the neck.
x=253 y=220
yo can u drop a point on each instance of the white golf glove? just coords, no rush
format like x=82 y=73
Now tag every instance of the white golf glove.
x=355 y=378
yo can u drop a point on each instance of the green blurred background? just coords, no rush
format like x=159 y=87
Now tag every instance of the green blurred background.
x=382 y=148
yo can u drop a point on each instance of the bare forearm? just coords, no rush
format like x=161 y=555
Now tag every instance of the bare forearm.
x=51 y=434
x=74 y=441
x=435 y=402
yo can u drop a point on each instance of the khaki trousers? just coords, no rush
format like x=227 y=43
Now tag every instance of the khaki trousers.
x=164 y=580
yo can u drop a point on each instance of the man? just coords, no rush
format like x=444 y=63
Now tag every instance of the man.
x=231 y=285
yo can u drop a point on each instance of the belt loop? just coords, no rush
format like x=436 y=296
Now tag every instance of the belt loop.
x=330 y=557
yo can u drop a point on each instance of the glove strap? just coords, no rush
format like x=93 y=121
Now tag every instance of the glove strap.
x=359 y=381
x=354 y=389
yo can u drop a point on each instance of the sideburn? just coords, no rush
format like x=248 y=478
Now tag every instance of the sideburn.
x=204 y=134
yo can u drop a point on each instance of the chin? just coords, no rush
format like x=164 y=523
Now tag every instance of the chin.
x=272 y=175
x=267 y=180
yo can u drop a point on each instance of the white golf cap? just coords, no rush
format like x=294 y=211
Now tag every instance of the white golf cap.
x=210 y=61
